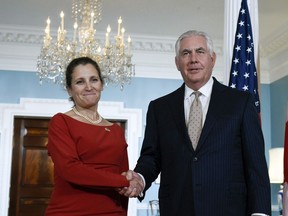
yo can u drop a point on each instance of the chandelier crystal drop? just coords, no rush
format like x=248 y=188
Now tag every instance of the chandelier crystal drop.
x=114 y=59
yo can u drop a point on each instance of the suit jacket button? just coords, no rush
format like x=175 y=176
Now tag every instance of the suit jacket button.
x=195 y=159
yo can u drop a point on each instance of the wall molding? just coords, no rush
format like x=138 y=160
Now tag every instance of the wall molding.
x=153 y=56
x=47 y=108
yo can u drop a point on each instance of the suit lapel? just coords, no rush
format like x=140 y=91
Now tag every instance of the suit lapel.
x=215 y=107
x=177 y=106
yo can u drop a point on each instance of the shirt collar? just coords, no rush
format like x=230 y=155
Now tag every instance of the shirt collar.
x=205 y=90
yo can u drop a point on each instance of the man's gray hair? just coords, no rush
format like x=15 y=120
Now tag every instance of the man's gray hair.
x=195 y=33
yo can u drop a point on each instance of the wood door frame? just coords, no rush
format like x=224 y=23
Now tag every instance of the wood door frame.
x=47 y=108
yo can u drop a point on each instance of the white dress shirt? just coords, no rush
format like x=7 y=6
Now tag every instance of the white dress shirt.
x=204 y=98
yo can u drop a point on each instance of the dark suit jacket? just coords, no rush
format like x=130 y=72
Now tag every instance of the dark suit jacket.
x=227 y=173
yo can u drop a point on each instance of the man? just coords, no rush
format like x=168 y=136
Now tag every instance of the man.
x=225 y=171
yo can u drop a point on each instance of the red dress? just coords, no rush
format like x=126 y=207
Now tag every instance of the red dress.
x=88 y=160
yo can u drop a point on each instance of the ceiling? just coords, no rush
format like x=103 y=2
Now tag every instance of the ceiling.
x=163 y=18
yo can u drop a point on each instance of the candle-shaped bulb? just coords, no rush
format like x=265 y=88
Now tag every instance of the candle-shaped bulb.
x=107 y=36
x=62 y=20
x=107 y=39
x=122 y=36
x=119 y=25
x=120 y=20
x=75 y=30
x=75 y=25
x=108 y=29
x=58 y=34
x=47 y=30
x=92 y=20
x=129 y=45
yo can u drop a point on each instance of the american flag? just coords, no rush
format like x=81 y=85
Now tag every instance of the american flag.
x=243 y=74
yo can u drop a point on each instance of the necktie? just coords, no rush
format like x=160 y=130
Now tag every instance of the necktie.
x=195 y=120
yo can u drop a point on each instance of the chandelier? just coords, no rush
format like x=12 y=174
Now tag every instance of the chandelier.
x=114 y=59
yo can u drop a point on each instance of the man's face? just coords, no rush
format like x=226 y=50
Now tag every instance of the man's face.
x=194 y=61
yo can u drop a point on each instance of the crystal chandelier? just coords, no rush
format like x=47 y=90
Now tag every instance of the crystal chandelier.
x=114 y=59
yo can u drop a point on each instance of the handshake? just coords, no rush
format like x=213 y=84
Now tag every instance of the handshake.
x=136 y=185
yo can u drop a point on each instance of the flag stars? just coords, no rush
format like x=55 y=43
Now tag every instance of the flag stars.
x=238 y=48
x=236 y=60
x=249 y=49
x=241 y=23
x=235 y=73
x=243 y=72
x=245 y=88
x=246 y=75
x=248 y=62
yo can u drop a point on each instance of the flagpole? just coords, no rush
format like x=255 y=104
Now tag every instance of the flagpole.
x=230 y=23
x=285 y=189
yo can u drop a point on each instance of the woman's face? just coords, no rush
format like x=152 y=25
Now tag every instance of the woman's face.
x=194 y=61
x=86 y=86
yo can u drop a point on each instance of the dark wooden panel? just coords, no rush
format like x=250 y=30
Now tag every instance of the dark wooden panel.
x=32 y=168
x=37 y=168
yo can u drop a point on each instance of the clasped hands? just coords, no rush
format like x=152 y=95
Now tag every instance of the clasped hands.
x=136 y=184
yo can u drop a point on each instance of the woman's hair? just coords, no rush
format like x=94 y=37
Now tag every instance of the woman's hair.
x=80 y=61
x=191 y=33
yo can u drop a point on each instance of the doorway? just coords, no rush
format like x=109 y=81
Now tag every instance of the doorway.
x=32 y=168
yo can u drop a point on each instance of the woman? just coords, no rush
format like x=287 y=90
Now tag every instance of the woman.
x=89 y=152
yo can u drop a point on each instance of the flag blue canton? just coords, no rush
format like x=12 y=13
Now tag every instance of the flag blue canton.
x=243 y=74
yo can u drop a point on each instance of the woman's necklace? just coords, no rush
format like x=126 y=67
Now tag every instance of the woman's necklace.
x=86 y=117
